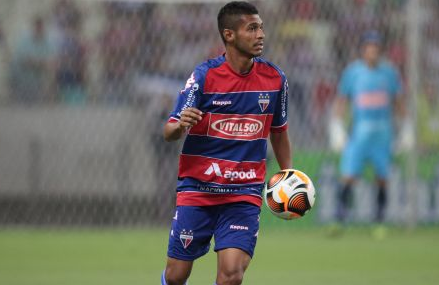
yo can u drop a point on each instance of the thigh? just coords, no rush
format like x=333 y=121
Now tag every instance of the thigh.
x=352 y=160
x=191 y=232
x=237 y=227
x=177 y=270
x=232 y=263
x=381 y=157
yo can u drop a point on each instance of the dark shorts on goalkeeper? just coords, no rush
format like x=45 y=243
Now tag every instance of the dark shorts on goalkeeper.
x=233 y=225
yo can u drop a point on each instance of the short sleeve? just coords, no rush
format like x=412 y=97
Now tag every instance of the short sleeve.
x=280 y=116
x=189 y=96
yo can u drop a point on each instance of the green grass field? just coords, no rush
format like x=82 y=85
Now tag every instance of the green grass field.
x=287 y=256
x=288 y=252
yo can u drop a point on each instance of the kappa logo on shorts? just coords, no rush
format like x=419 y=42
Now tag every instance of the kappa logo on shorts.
x=186 y=237
x=239 y=227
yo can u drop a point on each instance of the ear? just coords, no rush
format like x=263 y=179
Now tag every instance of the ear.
x=229 y=35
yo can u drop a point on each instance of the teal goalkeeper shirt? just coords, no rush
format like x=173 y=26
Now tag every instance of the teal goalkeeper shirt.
x=371 y=91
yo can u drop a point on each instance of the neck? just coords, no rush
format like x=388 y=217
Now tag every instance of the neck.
x=371 y=63
x=239 y=62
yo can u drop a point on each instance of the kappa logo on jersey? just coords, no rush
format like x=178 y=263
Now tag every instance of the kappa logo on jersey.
x=230 y=173
x=186 y=237
x=189 y=82
x=264 y=101
x=238 y=127
x=221 y=102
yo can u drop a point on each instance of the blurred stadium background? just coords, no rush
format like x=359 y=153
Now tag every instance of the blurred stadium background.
x=87 y=182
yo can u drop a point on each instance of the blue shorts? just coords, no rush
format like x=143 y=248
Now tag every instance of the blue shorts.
x=233 y=225
x=357 y=153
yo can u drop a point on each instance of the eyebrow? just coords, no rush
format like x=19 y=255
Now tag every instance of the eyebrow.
x=255 y=24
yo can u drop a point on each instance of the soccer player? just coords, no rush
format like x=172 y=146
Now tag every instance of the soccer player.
x=373 y=88
x=226 y=111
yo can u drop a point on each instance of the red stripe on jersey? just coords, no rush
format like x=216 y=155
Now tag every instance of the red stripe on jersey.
x=279 y=129
x=223 y=79
x=220 y=171
x=206 y=199
x=233 y=126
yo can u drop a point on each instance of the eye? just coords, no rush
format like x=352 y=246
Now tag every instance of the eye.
x=253 y=28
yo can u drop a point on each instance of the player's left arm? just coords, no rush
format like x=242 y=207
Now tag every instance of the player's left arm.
x=280 y=143
x=400 y=107
x=398 y=94
x=406 y=136
x=279 y=138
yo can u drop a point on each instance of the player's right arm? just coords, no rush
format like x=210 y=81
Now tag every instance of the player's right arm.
x=337 y=129
x=340 y=106
x=175 y=130
x=186 y=112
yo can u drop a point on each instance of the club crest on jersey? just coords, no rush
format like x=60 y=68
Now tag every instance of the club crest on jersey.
x=264 y=101
x=186 y=237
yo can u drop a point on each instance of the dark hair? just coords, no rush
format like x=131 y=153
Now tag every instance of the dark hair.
x=371 y=36
x=228 y=16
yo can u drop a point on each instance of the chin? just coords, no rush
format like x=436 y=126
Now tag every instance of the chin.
x=257 y=53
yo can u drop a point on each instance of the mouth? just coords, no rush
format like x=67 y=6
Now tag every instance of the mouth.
x=259 y=45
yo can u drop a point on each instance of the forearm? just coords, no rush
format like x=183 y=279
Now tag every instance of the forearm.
x=173 y=131
x=340 y=106
x=188 y=118
x=400 y=108
x=282 y=149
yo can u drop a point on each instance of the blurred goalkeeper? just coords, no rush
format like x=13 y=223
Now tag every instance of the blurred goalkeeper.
x=372 y=87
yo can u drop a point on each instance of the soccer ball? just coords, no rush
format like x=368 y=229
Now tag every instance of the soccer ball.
x=289 y=194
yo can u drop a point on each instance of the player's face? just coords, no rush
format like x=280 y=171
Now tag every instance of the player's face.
x=371 y=53
x=249 y=37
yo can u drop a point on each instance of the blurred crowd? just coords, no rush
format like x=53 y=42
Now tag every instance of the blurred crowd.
x=145 y=47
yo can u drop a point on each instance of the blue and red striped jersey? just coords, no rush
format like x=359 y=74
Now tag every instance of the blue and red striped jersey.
x=223 y=156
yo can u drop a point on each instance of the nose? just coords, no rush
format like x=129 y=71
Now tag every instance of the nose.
x=261 y=34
